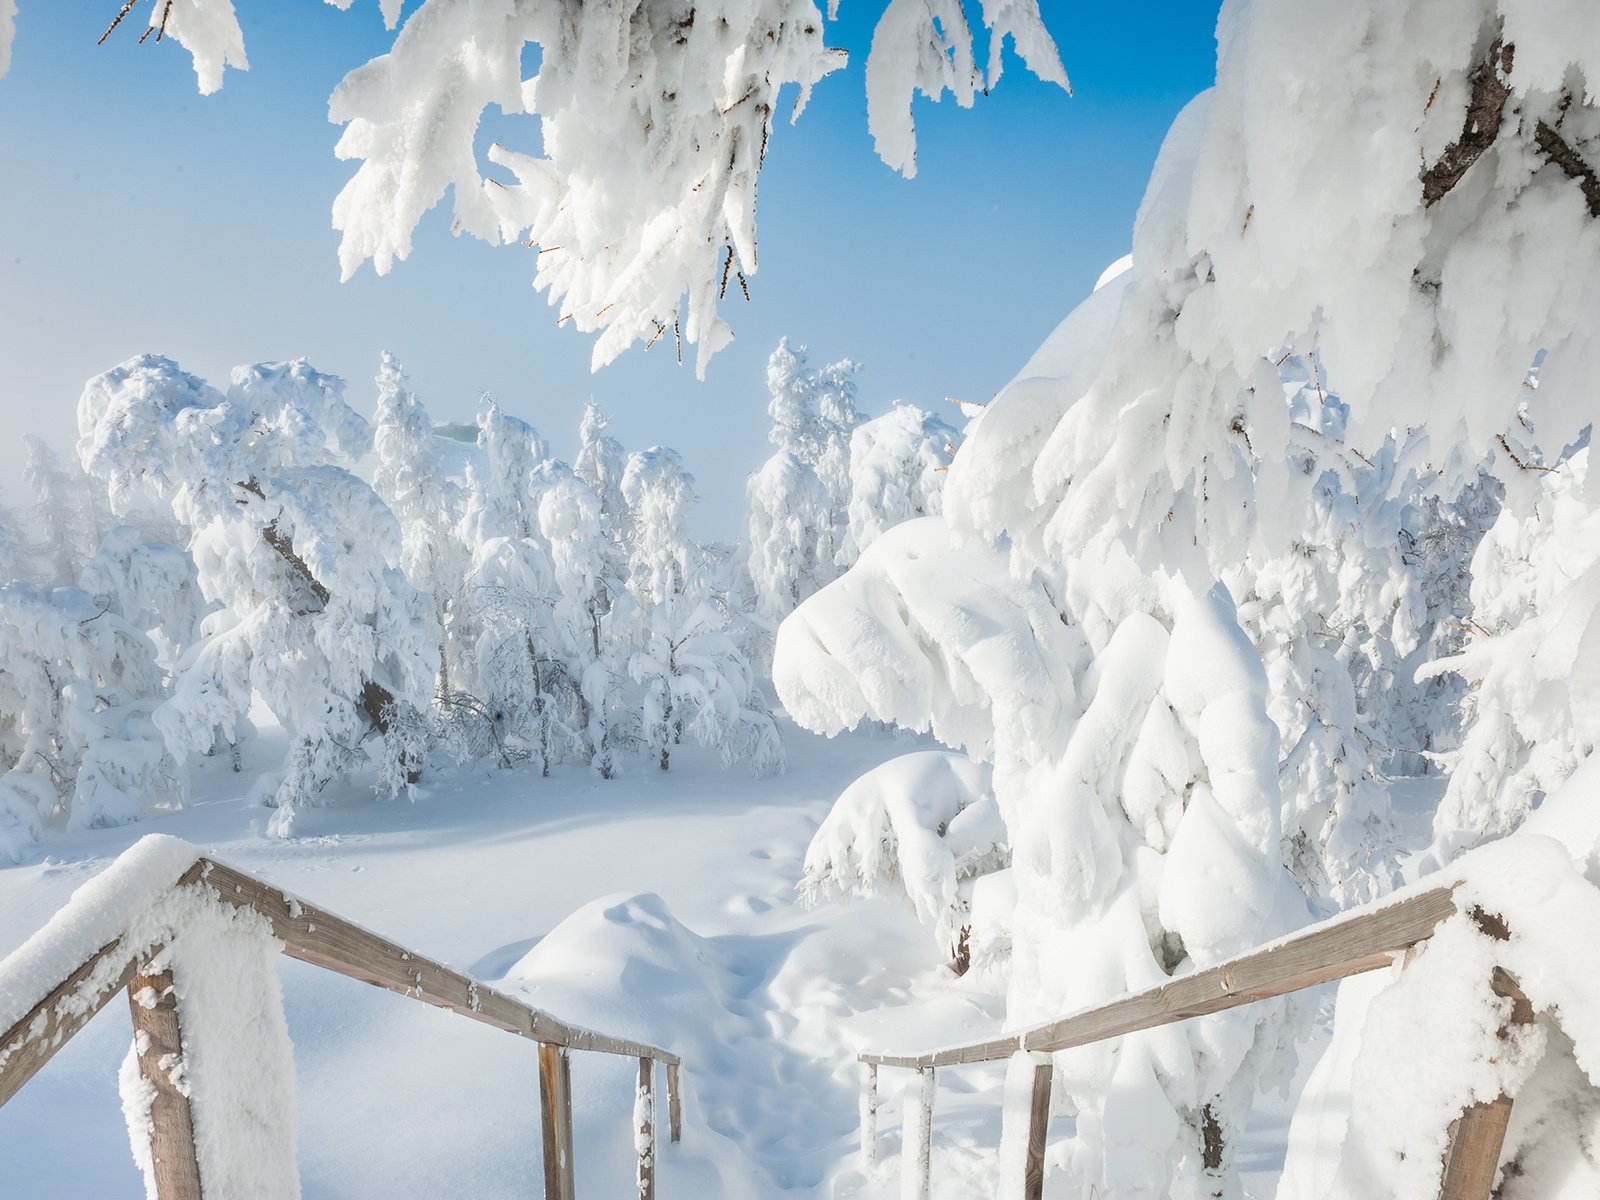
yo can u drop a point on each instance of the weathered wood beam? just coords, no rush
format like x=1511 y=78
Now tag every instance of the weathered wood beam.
x=1472 y=1153
x=158 y=1049
x=645 y=1179
x=50 y=1024
x=674 y=1105
x=869 y=1115
x=319 y=937
x=555 y=1106
x=1335 y=949
x=916 y=1138
x=1038 y=1129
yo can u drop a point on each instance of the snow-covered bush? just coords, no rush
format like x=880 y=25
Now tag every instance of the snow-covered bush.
x=300 y=557
x=925 y=824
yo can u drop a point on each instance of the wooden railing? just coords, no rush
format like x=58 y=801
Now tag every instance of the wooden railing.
x=318 y=937
x=1335 y=949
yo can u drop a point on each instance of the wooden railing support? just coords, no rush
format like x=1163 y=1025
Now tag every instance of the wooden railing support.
x=1472 y=1153
x=555 y=1103
x=869 y=1115
x=916 y=1148
x=645 y=1115
x=322 y=939
x=1038 y=1128
x=674 y=1107
x=158 y=1048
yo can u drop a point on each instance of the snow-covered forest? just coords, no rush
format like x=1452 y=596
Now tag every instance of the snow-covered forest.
x=1266 y=590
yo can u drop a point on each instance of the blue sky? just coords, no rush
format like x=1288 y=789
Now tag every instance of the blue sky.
x=137 y=215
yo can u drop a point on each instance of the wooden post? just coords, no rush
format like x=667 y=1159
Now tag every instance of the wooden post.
x=158 y=1045
x=555 y=1096
x=1472 y=1155
x=869 y=1115
x=916 y=1139
x=1038 y=1127
x=645 y=1118
x=674 y=1106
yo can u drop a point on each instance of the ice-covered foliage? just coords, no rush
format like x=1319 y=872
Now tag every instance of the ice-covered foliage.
x=1532 y=657
x=652 y=118
x=926 y=46
x=1135 y=769
x=897 y=465
x=1470 y=243
x=151 y=584
x=924 y=823
x=301 y=558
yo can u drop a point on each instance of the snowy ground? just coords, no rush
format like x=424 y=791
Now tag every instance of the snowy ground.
x=661 y=908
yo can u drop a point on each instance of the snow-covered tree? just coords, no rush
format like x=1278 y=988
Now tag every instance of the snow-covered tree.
x=791 y=531
x=695 y=677
x=600 y=464
x=591 y=604
x=78 y=685
x=300 y=557
x=411 y=481
x=897 y=466
x=63 y=514
x=798 y=522
x=500 y=501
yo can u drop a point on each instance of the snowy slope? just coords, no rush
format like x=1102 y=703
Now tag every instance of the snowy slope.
x=656 y=907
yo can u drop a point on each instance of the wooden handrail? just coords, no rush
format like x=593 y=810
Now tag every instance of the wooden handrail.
x=1334 y=949
x=318 y=937
x=1342 y=946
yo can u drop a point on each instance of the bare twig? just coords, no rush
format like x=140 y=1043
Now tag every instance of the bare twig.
x=126 y=9
x=1512 y=455
x=1556 y=149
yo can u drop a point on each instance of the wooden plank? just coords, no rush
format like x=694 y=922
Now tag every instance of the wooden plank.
x=319 y=937
x=674 y=1106
x=1038 y=1129
x=916 y=1137
x=645 y=1117
x=50 y=1024
x=158 y=1048
x=555 y=1103
x=1335 y=949
x=869 y=1115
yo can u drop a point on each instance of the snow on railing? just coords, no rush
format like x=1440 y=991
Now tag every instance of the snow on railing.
x=192 y=941
x=1360 y=940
